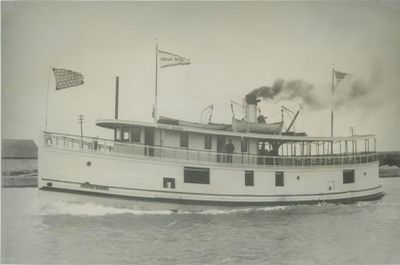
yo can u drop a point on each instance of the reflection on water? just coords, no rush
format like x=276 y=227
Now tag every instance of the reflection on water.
x=60 y=232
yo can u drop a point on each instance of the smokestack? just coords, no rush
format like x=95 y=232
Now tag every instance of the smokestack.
x=251 y=108
x=116 y=103
x=116 y=96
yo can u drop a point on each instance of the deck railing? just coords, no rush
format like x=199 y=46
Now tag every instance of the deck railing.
x=100 y=145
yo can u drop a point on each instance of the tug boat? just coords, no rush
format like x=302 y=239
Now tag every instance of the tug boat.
x=183 y=162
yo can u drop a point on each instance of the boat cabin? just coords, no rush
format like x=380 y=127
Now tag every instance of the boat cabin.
x=253 y=142
x=209 y=145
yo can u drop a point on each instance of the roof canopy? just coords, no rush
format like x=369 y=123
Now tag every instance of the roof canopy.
x=115 y=124
x=18 y=148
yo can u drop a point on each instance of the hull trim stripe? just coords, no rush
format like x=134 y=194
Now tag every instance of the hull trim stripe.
x=370 y=197
x=211 y=194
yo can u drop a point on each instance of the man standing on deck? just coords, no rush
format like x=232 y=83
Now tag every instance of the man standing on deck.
x=229 y=151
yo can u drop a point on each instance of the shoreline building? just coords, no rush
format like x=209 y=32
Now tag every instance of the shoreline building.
x=18 y=156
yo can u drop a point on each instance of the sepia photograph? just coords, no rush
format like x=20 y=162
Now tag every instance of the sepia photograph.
x=200 y=132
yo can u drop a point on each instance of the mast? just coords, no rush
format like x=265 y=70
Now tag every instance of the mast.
x=155 y=114
x=47 y=96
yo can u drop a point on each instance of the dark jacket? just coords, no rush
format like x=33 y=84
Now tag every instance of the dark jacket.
x=230 y=148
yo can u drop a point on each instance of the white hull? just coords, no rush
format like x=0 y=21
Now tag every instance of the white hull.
x=141 y=178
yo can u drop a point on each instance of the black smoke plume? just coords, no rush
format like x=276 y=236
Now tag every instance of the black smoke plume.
x=357 y=93
x=287 y=90
x=353 y=93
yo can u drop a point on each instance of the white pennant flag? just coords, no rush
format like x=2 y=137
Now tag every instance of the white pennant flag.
x=169 y=59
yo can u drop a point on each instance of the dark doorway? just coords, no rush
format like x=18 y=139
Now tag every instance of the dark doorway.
x=149 y=141
x=264 y=151
x=220 y=148
x=260 y=152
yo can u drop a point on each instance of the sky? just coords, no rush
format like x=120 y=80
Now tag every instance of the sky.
x=234 y=48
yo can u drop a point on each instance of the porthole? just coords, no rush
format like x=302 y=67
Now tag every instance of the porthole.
x=88 y=163
x=298 y=177
x=365 y=173
x=49 y=184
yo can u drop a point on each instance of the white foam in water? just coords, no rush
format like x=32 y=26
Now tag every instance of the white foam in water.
x=376 y=203
x=241 y=210
x=92 y=209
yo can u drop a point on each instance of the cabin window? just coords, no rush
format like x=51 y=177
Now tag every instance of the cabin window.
x=244 y=145
x=260 y=145
x=125 y=134
x=207 y=142
x=169 y=183
x=135 y=134
x=279 y=179
x=348 y=176
x=118 y=134
x=249 y=178
x=184 y=139
x=196 y=175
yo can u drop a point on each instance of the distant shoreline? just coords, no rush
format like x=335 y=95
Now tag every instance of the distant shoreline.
x=392 y=172
x=26 y=180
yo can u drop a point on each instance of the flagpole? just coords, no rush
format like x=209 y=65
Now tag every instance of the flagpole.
x=332 y=105
x=155 y=114
x=332 y=88
x=47 y=96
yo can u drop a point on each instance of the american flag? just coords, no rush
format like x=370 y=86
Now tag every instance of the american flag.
x=339 y=76
x=67 y=78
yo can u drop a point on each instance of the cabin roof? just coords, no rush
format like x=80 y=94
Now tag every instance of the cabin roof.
x=18 y=148
x=112 y=124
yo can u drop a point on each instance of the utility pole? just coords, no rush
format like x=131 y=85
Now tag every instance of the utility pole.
x=352 y=140
x=80 y=121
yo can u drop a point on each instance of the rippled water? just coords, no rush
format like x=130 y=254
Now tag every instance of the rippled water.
x=365 y=232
